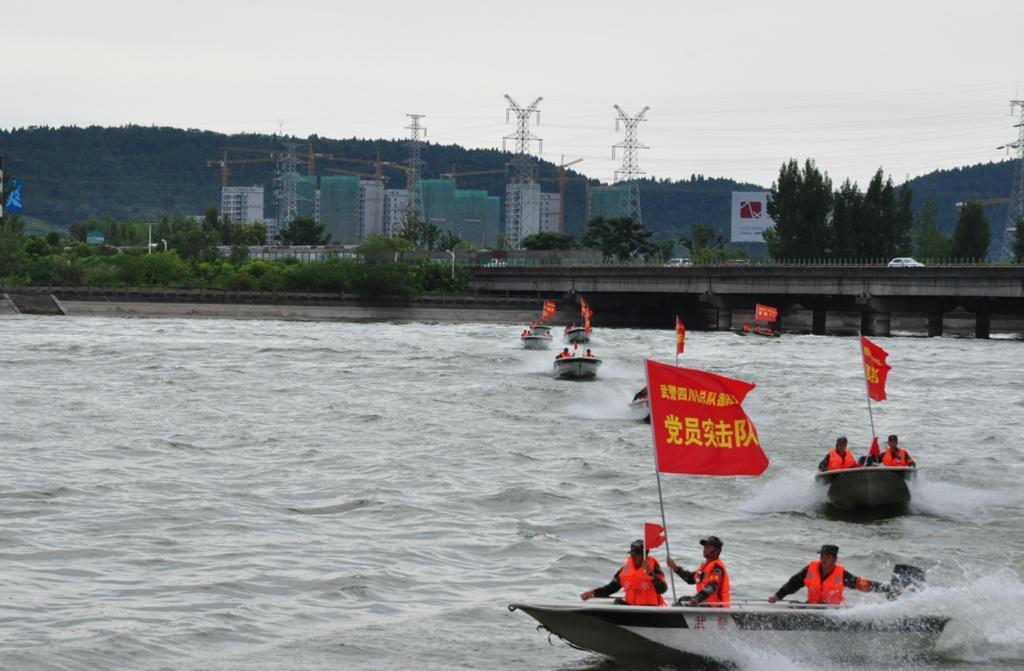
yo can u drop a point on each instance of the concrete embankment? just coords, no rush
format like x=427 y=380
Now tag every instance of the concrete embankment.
x=453 y=313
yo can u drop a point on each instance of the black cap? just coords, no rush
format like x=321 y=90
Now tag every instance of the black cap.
x=829 y=550
x=893 y=438
x=712 y=540
x=636 y=547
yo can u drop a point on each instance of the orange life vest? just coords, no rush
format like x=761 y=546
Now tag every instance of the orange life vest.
x=703 y=577
x=746 y=328
x=638 y=586
x=835 y=462
x=829 y=590
x=901 y=458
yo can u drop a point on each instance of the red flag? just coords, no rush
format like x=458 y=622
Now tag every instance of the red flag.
x=548 y=311
x=875 y=368
x=680 y=336
x=765 y=313
x=654 y=535
x=875 y=452
x=587 y=314
x=699 y=425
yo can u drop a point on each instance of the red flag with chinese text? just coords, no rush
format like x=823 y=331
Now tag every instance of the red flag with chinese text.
x=548 y=311
x=587 y=314
x=876 y=370
x=654 y=535
x=680 y=336
x=698 y=423
x=765 y=313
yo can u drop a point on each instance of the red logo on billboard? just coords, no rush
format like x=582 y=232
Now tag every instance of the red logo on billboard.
x=750 y=209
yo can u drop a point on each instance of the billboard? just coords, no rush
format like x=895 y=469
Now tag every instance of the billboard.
x=749 y=216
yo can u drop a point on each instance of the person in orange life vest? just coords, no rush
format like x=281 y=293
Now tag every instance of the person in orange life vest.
x=825 y=580
x=564 y=354
x=838 y=458
x=526 y=332
x=894 y=455
x=640 y=577
x=757 y=328
x=712 y=578
x=768 y=330
x=589 y=353
x=746 y=328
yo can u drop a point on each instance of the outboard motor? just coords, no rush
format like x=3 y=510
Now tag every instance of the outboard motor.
x=906 y=578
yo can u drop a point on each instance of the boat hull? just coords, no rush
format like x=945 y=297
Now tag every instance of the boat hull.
x=868 y=487
x=535 y=341
x=702 y=636
x=577 y=368
x=640 y=410
x=773 y=334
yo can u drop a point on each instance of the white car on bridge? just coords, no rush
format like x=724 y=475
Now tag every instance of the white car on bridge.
x=905 y=262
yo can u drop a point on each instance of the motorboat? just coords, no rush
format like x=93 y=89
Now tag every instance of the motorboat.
x=534 y=340
x=764 y=332
x=541 y=329
x=577 y=367
x=739 y=632
x=868 y=486
x=640 y=407
x=577 y=334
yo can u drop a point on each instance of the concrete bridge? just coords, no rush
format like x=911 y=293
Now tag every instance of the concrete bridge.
x=706 y=296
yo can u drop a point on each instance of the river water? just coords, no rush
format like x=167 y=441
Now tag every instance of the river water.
x=203 y=494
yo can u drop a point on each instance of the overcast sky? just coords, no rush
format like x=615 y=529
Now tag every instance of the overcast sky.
x=734 y=88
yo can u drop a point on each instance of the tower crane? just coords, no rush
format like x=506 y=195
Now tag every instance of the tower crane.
x=562 y=179
x=455 y=174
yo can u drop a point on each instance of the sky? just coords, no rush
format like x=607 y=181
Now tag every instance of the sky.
x=734 y=88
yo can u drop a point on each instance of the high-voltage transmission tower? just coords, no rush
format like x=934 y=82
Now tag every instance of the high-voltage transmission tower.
x=1015 y=213
x=414 y=211
x=522 y=166
x=629 y=203
x=286 y=185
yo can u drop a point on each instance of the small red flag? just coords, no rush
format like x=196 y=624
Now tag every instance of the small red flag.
x=875 y=452
x=654 y=535
x=765 y=313
x=699 y=425
x=680 y=336
x=876 y=370
x=548 y=311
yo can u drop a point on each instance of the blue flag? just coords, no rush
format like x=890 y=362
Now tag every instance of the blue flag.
x=14 y=197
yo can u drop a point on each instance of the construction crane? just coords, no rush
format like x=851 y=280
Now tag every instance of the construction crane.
x=224 y=163
x=562 y=179
x=455 y=174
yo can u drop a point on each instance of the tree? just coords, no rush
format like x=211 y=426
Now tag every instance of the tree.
x=704 y=243
x=929 y=241
x=799 y=203
x=620 y=238
x=973 y=234
x=1018 y=242
x=377 y=244
x=547 y=240
x=304 y=231
x=847 y=240
x=887 y=220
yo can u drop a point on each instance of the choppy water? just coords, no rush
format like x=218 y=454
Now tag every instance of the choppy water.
x=236 y=495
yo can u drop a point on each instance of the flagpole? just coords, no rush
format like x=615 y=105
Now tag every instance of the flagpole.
x=661 y=500
x=867 y=388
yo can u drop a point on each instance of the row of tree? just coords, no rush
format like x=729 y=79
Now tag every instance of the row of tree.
x=814 y=221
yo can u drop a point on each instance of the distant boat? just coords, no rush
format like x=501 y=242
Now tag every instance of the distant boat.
x=758 y=330
x=541 y=329
x=577 y=334
x=577 y=367
x=534 y=340
x=868 y=486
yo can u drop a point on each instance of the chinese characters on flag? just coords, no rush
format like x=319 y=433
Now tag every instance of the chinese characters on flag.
x=680 y=336
x=765 y=313
x=875 y=368
x=654 y=535
x=699 y=425
x=548 y=311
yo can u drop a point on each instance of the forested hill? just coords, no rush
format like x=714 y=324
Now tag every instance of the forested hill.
x=72 y=174
x=136 y=172
x=975 y=182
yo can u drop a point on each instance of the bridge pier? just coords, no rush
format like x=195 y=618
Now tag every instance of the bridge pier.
x=875 y=323
x=982 y=324
x=716 y=319
x=934 y=324
x=819 y=318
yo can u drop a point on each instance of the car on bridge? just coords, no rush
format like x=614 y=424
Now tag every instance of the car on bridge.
x=678 y=262
x=905 y=262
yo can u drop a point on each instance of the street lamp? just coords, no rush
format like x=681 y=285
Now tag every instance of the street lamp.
x=453 y=262
x=165 y=243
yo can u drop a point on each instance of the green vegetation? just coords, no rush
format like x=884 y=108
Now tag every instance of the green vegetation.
x=548 y=240
x=973 y=235
x=620 y=239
